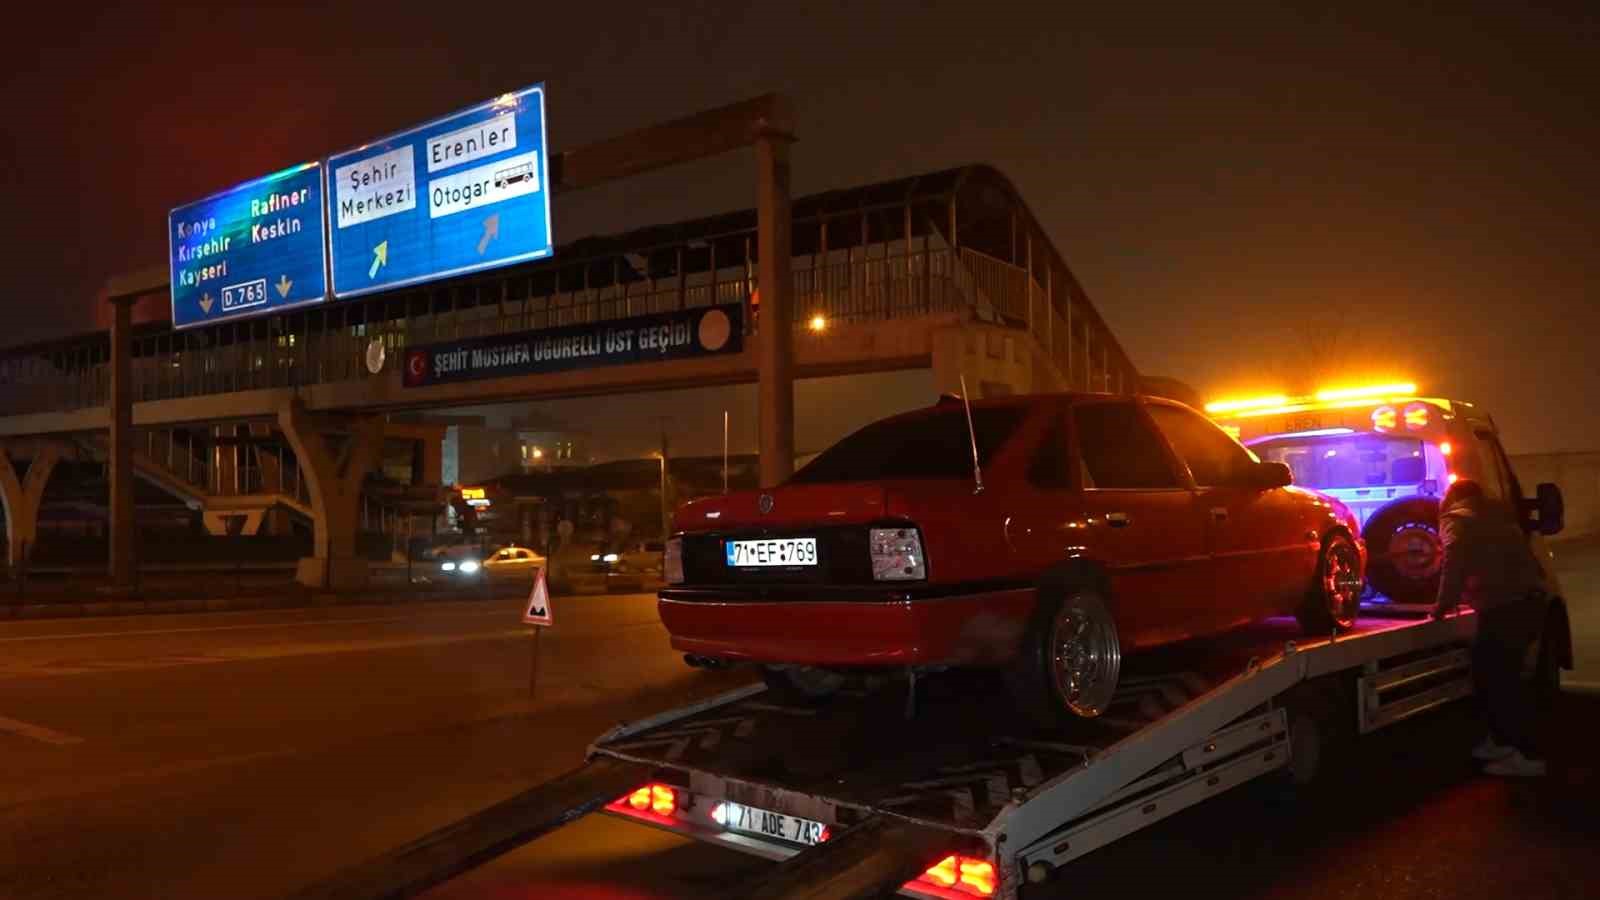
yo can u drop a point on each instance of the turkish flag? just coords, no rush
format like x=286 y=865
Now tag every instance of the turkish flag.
x=416 y=367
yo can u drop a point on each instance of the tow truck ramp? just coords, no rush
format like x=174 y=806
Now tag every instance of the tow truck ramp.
x=963 y=799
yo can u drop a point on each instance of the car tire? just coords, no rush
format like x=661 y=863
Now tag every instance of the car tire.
x=802 y=685
x=1334 y=598
x=1070 y=659
x=1404 y=551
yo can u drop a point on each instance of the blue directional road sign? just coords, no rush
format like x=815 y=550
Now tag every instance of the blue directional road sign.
x=466 y=192
x=253 y=249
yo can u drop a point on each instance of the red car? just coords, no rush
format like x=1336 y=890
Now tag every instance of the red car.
x=1049 y=537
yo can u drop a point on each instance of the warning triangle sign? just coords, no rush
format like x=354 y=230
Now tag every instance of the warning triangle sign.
x=539 y=612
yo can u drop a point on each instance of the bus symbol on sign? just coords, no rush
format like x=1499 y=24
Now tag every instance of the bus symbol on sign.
x=513 y=175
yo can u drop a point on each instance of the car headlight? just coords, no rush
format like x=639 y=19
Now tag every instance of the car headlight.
x=611 y=557
x=594 y=557
x=897 y=554
x=672 y=562
x=447 y=567
x=470 y=566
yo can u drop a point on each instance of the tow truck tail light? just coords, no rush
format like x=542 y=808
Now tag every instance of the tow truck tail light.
x=660 y=799
x=959 y=875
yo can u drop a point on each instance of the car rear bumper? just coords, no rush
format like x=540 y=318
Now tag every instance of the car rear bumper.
x=978 y=628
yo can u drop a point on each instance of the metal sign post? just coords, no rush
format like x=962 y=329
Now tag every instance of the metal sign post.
x=540 y=615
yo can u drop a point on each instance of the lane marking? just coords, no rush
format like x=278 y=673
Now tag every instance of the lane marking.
x=38 y=732
x=67 y=636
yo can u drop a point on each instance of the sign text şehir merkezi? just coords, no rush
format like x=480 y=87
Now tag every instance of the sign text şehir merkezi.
x=463 y=193
x=674 y=335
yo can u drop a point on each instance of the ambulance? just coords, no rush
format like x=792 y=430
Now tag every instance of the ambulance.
x=1389 y=454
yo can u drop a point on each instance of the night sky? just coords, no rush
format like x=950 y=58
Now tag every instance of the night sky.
x=1250 y=194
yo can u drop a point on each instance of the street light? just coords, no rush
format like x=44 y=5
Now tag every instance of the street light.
x=818 y=323
x=666 y=514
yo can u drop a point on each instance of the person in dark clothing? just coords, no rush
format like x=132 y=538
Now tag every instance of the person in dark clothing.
x=1488 y=565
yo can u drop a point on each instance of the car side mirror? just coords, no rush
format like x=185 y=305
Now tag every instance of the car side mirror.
x=1549 y=508
x=1268 y=475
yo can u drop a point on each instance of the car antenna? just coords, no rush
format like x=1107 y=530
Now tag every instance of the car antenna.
x=972 y=437
x=724 y=451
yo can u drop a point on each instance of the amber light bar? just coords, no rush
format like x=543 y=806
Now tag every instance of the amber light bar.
x=1353 y=396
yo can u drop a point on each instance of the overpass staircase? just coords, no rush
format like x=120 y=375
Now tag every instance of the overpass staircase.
x=234 y=476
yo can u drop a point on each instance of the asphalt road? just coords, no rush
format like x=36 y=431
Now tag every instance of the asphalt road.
x=246 y=754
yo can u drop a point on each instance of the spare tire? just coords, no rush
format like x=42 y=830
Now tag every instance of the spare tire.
x=1404 y=551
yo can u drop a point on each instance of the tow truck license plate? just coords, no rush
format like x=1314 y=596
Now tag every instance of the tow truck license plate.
x=772 y=552
x=761 y=823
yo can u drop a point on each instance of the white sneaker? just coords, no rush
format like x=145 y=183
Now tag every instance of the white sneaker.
x=1490 y=750
x=1516 y=766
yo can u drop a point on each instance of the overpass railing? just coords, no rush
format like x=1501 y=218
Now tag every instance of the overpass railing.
x=330 y=344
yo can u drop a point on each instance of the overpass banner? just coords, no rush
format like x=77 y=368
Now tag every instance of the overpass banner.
x=706 y=331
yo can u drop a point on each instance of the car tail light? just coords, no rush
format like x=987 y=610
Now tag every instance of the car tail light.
x=660 y=799
x=897 y=554
x=960 y=875
x=672 y=561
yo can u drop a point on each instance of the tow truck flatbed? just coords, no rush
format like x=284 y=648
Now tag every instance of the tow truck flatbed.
x=964 y=776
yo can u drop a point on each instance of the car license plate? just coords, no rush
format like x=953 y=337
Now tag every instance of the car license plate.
x=777 y=826
x=771 y=552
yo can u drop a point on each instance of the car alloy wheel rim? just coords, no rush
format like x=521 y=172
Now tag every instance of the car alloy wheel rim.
x=1086 y=656
x=1341 y=578
x=1415 y=551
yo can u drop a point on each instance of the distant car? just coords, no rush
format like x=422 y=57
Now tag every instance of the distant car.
x=505 y=564
x=643 y=558
x=579 y=567
x=1103 y=525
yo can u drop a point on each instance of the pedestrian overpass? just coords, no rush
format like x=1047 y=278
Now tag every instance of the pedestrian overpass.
x=947 y=271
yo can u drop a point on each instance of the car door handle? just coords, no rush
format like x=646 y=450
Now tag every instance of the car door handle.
x=1118 y=520
x=1219 y=514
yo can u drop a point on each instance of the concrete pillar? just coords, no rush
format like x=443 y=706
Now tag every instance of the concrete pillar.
x=430 y=461
x=335 y=456
x=21 y=499
x=267 y=461
x=775 y=340
x=226 y=479
x=120 y=445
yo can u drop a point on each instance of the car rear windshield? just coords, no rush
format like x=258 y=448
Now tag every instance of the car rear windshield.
x=933 y=446
x=1348 y=461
